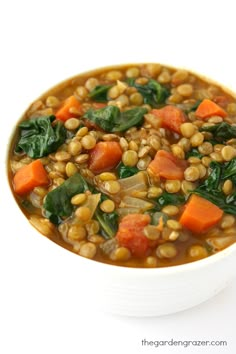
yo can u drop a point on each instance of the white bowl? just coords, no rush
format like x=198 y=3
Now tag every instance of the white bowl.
x=121 y=290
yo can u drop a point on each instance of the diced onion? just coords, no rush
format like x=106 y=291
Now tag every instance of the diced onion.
x=35 y=200
x=63 y=229
x=109 y=246
x=133 y=202
x=125 y=211
x=92 y=202
x=219 y=243
x=137 y=182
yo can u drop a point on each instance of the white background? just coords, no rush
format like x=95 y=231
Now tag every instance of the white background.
x=42 y=43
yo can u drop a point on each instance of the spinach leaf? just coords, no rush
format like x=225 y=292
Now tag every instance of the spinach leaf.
x=103 y=117
x=57 y=203
x=39 y=138
x=227 y=204
x=111 y=119
x=168 y=198
x=126 y=171
x=108 y=223
x=193 y=152
x=230 y=170
x=231 y=203
x=163 y=200
x=221 y=132
x=211 y=188
x=213 y=181
x=213 y=142
x=130 y=118
x=153 y=93
x=99 y=93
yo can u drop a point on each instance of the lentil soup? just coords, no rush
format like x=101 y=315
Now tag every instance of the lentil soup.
x=132 y=165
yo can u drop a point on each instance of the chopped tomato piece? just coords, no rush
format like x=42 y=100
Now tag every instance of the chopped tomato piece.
x=168 y=166
x=130 y=234
x=171 y=117
x=105 y=156
x=222 y=101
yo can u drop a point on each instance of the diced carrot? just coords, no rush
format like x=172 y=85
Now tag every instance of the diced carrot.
x=64 y=112
x=171 y=117
x=168 y=166
x=104 y=156
x=29 y=177
x=208 y=108
x=130 y=234
x=200 y=214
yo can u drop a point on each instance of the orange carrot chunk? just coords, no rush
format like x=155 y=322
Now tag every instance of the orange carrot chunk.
x=29 y=177
x=168 y=166
x=105 y=156
x=171 y=117
x=130 y=234
x=200 y=214
x=208 y=108
x=64 y=112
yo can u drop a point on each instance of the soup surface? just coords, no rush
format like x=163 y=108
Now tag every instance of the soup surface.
x=132 y=165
